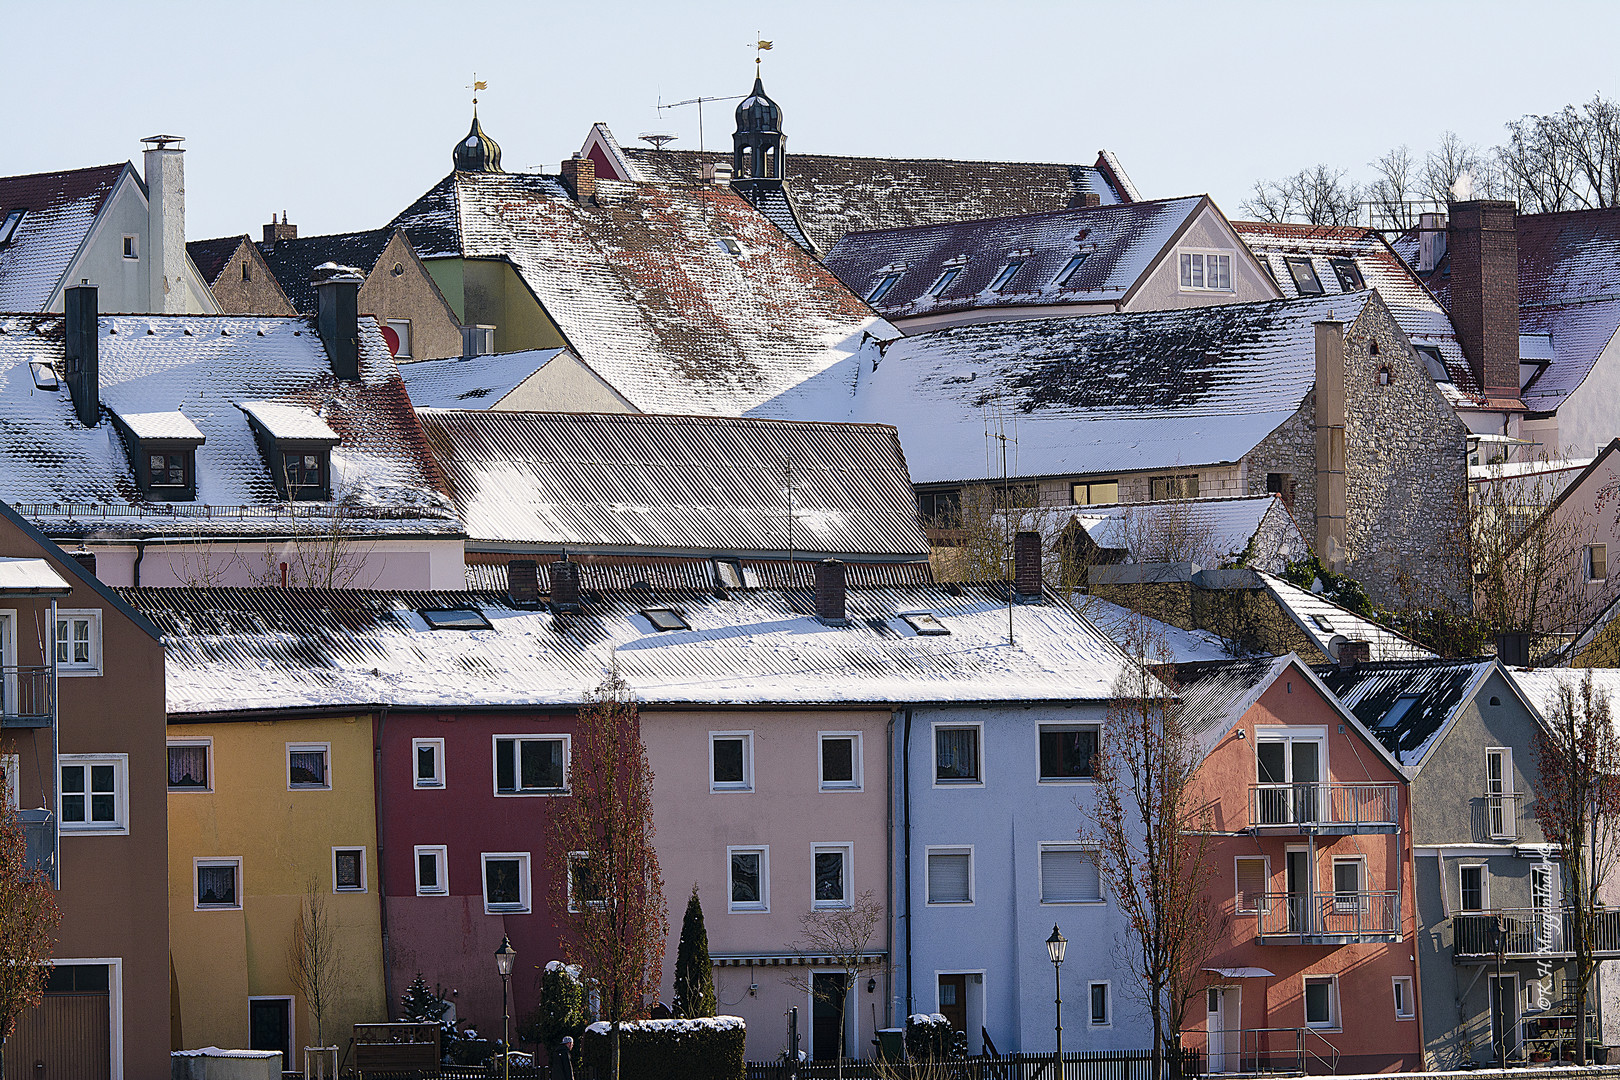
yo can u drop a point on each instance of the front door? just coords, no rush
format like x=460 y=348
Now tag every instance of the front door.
x=828 y=1001
x=953 y=1000
x=270 y=1026
x=1224 y=1025
x=1505 y=1017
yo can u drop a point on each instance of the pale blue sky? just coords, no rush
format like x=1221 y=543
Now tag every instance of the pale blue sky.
x=344 y=112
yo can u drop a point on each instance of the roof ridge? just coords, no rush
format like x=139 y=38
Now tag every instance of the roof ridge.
x=1120 y=206
x=68 y=172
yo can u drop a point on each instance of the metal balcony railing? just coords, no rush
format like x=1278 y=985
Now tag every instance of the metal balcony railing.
x=1502 y=816
x=1331 y=917
x=25 y=696
x=1314 y=806
x=1522 y=933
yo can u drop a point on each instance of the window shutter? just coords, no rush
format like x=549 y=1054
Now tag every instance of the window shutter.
x=1251 y=883
x=1069 y=876
x=948 y=879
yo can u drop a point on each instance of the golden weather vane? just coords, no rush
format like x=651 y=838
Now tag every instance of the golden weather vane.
x=760 y=45
x=476 y=86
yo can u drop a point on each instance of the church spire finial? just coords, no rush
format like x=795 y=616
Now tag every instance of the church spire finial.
x=477 y=152
x=476 y=86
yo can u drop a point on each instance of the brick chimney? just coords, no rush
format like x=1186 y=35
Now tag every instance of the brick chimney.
x=165 y=224
x=523 y=582
x=1330 y=480
x=563 y=577
x=1484 y=252
x=830 y=592
x=1027 y=565
x=279 y=230
x=579 y=177
x=337 y=317
x=1352 y=654
x=82 y=370
x=1090 y=198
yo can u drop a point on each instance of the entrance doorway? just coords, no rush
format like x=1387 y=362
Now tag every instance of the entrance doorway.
x=827 y=1036
x=953 y=1000
x=1505 y=1016
x=270 y=1027
x=1224 y=1025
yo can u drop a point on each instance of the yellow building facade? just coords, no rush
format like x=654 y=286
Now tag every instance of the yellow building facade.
x=263 y=815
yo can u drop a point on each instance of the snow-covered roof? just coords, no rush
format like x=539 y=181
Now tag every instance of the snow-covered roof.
x=58 y=211
x=1118 y=243
x=1166 y=642
x=639 y=482
x=1099 y=393
x=162 y=426
x=1542 y=686
x=471 y=382
x=31 y=577
x=1438 y=690
x=192 y=375
x=290 y=423
x=1412 y=305
x=236 y=650
x=649 y=298
x=1323 y=621
x=295 y=261
x=1224 y=526
x=836 y=195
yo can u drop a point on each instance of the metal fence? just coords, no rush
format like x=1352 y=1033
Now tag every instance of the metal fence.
x=1355 y=915
x=1077 y=1065
x=1531 y=932
x=25 y=695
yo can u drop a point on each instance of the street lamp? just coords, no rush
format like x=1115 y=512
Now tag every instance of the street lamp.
x=504 y=958
x=1056 y=945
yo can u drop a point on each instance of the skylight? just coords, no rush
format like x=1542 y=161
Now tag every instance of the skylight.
x=1008 y=272
x=1304 y=274
x=1322 y=623
x=729 y=246
x=944 y=280
x=454 y=619
x=730 y=574
x=1397 y=712
x=1068 y=271
x=666 y=619
x=9 y=226
x=925 y=623
x=881 y=289
x=1434 y=362
x=1348 y=273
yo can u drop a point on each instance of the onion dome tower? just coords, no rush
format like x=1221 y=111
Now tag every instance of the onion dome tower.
x=477 y=152
x=759 y=149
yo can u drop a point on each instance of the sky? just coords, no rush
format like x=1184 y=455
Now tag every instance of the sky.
x=343 y=112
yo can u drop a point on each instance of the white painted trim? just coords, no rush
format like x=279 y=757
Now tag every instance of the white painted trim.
x=292 y=1019
x=847 y=850
x=441 y=859
x=115 y=1004
x=365 y=880
x=439 y=780
x=1335 y=1005
x=94 y=667
x=949 y=849
x=764 y=904
x=517 y=765
x=1091 y=1020
x=1232 y=257
x=308 y=748
x=120 y=763
x=976 y=977
x=857 y=762
x=1237 y=897
x=1044 y=846
x=747 y=784
x=1062 y=726
x=1411 y=989
x=208 y=743
x=219 y=860
x=8 y=650
x=1484 y=887
x=852 y=1011
x=525 y=903
x=11 y=766
x=933 y=752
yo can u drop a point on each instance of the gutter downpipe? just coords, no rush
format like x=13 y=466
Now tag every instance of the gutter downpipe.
x=140 y=553
x=56 y=757
x=905 y=818
x=382 y=878
x=888 y=945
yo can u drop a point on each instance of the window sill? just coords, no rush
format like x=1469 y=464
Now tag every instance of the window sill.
x=94 y=830
x=432 y=892
x=1099 y=902
x=433 y=784
x=506 y=909
x=948 y=903
x=713 y=790
x=1067 y=780
x=197 y=790
x=218 y=907
x=537 y=793
x=748 y=910
x=309 y=787
x=840 y=787
x=76 y=672
x=349 y=889
x=957 y=783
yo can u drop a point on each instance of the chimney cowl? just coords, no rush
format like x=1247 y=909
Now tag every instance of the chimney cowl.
x=277 y=231
x=1027 y=566
x=562 y=577
x=830 y=593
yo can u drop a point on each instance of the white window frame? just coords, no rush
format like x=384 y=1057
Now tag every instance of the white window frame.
x=525 y=902
x=1355 y=898
x=1506 y=806
x=1040 y=874
x=1586 y=563
x=68 y=669
x=437 y=780
x=950 y=849
x=848 y=853
x=119 y=826
x=441 y=866
x=747 y=783
x=364 y=885
x=1040 y=776
x=1237 y=892
x=574 y=907
x=1484 y=887
x=404 y=338
x=1397 y=983
x=517 y=765
x=1108 y=1004
x=764 y=853
x=1335 y=1020
x=857 y=772
x=208 y=745
x=130 y=246
x=933 y=738
x=1204 y=255
x=324 y=748
x=11 y=769
x=233 y=861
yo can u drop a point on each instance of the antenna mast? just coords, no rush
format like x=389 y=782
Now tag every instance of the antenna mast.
x=698 y=101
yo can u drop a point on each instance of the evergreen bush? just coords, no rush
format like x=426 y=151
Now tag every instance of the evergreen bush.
x=694 y=978
x=707 y=1048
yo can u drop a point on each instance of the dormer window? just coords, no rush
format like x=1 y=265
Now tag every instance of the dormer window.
x=1304 y=275
x=943 y=282
x=297 y=444
x=1008 y=272
x=162 y=452
x=1069 y=269
x=881 y=289
x=8 y=227
x=169 y=469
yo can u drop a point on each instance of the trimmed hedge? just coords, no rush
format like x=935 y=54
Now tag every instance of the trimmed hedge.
x=706 y=1048
x=928 y=1037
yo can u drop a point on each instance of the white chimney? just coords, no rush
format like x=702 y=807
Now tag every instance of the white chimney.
x=165 y=224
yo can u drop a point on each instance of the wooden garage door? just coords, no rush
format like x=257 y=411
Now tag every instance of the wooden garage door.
x=68 y=1033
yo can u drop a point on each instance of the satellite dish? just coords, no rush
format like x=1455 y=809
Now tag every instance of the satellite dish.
x=391 y=336
x=1335 y=643
x=657 y=138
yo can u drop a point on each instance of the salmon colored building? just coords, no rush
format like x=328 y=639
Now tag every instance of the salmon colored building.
x=1315 y=971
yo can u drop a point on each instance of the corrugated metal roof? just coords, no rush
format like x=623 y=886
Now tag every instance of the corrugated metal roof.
x=677 y=483
x=1438 y=689
x=487 y=572
x=233 y=650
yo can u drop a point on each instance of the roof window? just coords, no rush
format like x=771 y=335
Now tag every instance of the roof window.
x=44 y=375
x=1004 y=278
x=1322 y=623
x=729 y=246
x=1068 y=271
x=731 y=574
x=297 y=443
x=1349 y=274
x=1434 y=362
x=1304 y=275
x=1397 y=712
x=925 y=623
x=881 y=289
x=454 y=619
x=664 y=619
x=8 y=228
x=943 y=282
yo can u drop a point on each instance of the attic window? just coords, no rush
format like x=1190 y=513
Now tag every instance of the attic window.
x=1206 y=271
x=132 y=246
x=169 y=469
x=454 y=619
x=1434 y=362
x=1348 y=273
x=1004 y=278
x=1304 y=275
x=925 y=623
x=664 y=619
x=297 y=444
x=730 y=574
x=247 y=270
x=1322 y=623
x=881 y=289
x=1068 y=271
x=162 y=451
x=9 y=227
x=729 y=246
x=943 y=282
x=1397 y=712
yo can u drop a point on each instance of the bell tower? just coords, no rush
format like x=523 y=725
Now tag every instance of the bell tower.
x=759 y=149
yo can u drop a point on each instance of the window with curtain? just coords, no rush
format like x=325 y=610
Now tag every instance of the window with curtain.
x=188 y=768
x=956 y=755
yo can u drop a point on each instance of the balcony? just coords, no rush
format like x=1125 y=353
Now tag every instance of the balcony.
x=1331 y=918
x=1325 y=809
x=1530 y=933
x=1502 y=817
x=25 y=697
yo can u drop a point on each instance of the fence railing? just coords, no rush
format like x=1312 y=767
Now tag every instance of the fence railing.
x=1530 y=932
x=1077 y=1065
x=1318 y=804
x=25 y=695
x=1501 y=816
x=1348 y=915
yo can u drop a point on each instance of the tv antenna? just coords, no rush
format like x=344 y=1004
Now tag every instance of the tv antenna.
x=699 y=102
x=997 y=420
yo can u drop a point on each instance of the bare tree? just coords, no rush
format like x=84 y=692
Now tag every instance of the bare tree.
x=1320 y=195
x=605 y=869
x=839 y=938
x=28 y=921
x=1393 y=190
x=1568 y=160
x=1577 y=790
x=1155 y=845
x=314 y=959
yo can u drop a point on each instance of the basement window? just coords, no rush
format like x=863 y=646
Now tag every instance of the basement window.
x=1004 y=278
x=1304 y=275
x=1070 y=268
x=925 y=623
x=1348 y=273
x=8 y=228
x=881 y=289
x=454 y=619
x=663 y=619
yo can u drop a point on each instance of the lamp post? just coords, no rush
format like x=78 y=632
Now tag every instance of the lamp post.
x=504 y=958
x=1055 y=947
